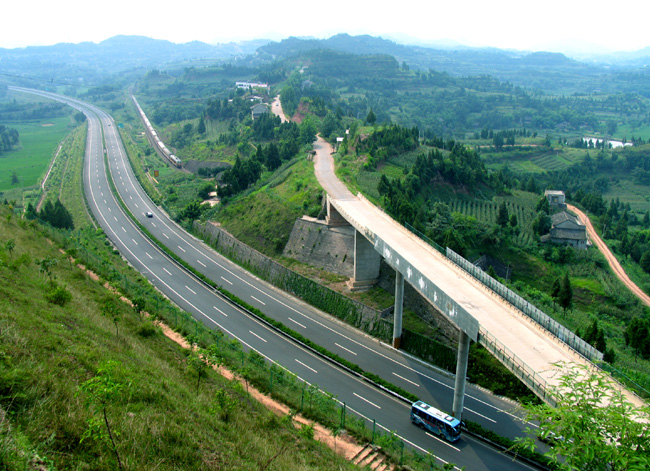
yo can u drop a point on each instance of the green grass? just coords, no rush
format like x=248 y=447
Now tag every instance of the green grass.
x=628 y=191
x=627 y=131
x=39 y=139
x=47 y=351
x=272 y=209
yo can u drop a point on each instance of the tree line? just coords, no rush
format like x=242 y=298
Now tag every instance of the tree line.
x=9 y=138
x=54 y=213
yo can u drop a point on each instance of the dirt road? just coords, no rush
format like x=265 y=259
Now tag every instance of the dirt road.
x=276 y=108
x=611 y=259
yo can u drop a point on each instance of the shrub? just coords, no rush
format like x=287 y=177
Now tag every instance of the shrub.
x=59 y=296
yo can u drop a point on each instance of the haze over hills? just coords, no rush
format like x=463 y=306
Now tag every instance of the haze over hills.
x=128 y=56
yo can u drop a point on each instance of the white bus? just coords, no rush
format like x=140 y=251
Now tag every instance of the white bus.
x=435 y=421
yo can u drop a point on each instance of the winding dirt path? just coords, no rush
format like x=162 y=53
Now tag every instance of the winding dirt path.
x=611 y=259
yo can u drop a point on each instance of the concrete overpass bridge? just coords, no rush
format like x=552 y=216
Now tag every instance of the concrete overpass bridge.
x=523 y=338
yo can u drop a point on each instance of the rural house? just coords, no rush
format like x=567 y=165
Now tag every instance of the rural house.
x=259 y=109
x=567 y=229
x=555 y=198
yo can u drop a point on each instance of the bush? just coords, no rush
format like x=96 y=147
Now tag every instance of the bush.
x=59 y=296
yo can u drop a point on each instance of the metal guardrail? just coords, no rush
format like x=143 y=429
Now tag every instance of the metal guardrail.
x=541 y=318
x=439 y=248
x=519 y=368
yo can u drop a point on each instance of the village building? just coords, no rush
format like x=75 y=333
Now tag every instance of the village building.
x=555 y=198
x=259 y=109
x=250 y=85
x=567 y=229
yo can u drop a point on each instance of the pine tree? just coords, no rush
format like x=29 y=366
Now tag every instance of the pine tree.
x=565 y=296
x=272 y=157
x=502 y=216
x=200 y=128
x=371 y=118
x=555 y=290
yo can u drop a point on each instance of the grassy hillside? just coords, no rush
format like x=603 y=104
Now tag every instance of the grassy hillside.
x=53 y=345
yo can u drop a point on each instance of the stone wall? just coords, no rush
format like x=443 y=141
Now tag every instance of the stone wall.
x=315 y=243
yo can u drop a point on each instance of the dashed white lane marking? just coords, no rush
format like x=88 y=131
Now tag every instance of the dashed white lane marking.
x=219 y=311
x=296 y=322
x=369 y=402
x=306 y=366
x=480 y=415
x=407 y=380
x=253 y=333
x=227 y=281
x=346 y=349
x=262 y=303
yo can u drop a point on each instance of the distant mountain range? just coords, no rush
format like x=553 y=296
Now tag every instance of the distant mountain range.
x=92 y=63
x=128 y=56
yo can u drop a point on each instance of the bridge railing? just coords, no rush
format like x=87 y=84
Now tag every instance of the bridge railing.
x=438 y=247
x=540 y=317
x=517 y=366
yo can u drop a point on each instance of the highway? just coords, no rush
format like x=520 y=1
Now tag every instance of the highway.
x=199 y=300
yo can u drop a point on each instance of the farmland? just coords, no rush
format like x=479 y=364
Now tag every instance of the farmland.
x=39 y=141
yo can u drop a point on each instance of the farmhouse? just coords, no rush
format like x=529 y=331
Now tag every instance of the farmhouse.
x=259 y=109
x=567 y=229
x=555 y=198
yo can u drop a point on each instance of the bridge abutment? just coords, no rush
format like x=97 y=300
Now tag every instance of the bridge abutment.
x=334 y=218
x=366 y=264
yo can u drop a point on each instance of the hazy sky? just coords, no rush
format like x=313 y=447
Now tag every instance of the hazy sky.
x=558 y=25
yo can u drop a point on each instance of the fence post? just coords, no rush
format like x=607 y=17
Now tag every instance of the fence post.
x=374 y=426
x=302 y=398
x=343 y=416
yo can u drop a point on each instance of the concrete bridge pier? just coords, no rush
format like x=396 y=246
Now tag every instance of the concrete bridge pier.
x=461 y=375
x=399 y=308
x=366 y=264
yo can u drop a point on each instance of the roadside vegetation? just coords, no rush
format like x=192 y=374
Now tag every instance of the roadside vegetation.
x=122 y=398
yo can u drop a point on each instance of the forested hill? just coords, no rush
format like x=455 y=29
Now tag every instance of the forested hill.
x=91 y=62
x=560 y=73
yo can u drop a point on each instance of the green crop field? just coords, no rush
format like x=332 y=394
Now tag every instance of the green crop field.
x=628 y=191
x=39 y=140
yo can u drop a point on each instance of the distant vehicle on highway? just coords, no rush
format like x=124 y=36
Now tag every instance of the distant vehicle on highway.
x=149 y=214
